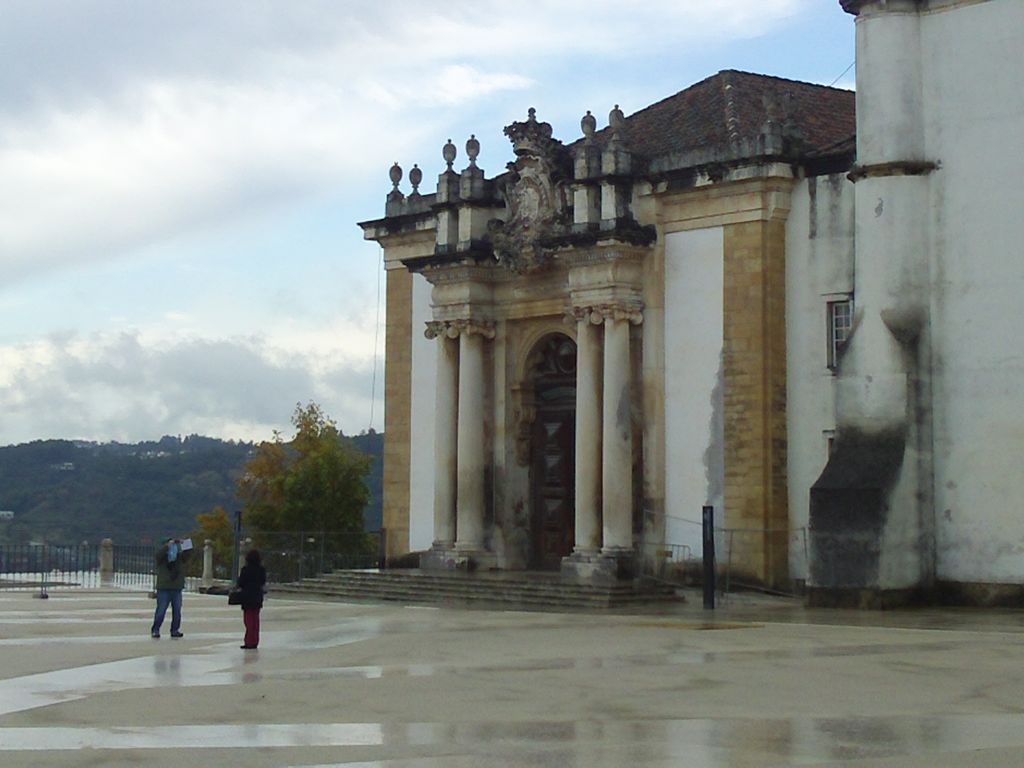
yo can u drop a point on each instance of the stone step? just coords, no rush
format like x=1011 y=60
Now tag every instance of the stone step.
x=485 y=579
x=471 y=587
x=436 y=598
x=544 y=591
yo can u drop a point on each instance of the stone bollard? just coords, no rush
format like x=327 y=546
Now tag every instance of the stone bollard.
x=106 y=563
x=207 y=564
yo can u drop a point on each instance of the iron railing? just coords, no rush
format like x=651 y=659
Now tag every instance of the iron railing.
x=294 y=555
x=47 y=567
x=681 y=564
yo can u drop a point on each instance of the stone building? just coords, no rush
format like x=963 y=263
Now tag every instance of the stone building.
x=780 y=299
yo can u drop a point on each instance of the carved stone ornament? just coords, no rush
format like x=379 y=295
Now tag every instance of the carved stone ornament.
x=435 y=328
x=536 y=197
x=452 y=329
x=632 y=312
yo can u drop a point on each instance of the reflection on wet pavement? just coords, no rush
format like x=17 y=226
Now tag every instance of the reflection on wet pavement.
x=383 y=687
x=214 y=667
x=700 y=742
x=255 y=735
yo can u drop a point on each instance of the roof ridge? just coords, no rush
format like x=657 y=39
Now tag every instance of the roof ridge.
x=783 y=79
x=731 y=118
x=723 y=73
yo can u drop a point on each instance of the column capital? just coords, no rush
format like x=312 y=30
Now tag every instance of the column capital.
x=435 y=328
x=452 y=329
x=470 y=326
x=621 y=311
x=582 y=314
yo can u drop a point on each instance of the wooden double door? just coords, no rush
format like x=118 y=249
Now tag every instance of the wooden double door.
x=553 y=453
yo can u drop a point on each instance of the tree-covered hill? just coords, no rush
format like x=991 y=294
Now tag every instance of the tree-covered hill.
x=63 y=491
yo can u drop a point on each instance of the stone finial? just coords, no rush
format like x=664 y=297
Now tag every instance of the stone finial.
x=615 y=159
x=415 y=177
x=396 y=200
x=616 y=119
x=472 y=149
x=589 y=125
x=530 y=136
x=448 y=153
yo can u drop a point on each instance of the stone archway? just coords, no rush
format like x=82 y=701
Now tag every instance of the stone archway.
x=552 y=376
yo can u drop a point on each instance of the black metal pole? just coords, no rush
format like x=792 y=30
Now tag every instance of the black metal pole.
x=236 y=558
x=708 y=526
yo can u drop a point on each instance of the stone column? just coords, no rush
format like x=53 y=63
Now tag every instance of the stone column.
x=106 y=562
x=471 y=458
x=588 y=433
x=445 y=434
x=207 y=581
x=617 y=434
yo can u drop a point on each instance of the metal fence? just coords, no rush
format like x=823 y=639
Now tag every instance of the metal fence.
x=45 y=567
x=287 y=555
x=292 y=556
x=682 y=564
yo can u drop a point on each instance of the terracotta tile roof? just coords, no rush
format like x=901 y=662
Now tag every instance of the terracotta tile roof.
x=727 y=110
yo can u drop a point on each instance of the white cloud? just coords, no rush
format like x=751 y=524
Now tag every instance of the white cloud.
x=126 y=125
x=134 y=386
x=198 y=113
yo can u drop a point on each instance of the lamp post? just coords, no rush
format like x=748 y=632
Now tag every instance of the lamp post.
x=235 y=558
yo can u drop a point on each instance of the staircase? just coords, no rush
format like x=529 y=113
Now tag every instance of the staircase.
x=522 y=590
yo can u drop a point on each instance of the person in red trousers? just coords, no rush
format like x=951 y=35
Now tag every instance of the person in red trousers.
x=251 y=581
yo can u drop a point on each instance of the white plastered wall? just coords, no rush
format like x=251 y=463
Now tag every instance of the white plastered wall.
x=694 y=438
x=819 y=269
x=974 y=127
x=421 y=428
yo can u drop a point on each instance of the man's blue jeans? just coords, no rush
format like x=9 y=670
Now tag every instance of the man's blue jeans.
x=165 y=597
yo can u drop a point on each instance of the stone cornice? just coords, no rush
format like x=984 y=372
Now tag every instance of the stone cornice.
x=894 y=168
x=390 y=226
x=721 y=173
x=855 y=6
x=438 y=274
x=477 y=252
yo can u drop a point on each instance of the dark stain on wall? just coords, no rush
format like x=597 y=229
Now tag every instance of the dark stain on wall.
x=849 y=507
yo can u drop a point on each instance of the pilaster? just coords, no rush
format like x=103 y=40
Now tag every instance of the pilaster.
x=755 y=399
x=397 y=411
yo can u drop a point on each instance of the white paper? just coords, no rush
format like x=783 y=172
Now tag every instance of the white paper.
x=186 y=544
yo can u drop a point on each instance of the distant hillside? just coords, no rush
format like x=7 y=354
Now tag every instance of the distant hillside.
x=64 y=491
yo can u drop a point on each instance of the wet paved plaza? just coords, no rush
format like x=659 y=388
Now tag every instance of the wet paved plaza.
x=764 y=683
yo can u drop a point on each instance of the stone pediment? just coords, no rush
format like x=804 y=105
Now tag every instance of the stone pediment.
x=536 y=194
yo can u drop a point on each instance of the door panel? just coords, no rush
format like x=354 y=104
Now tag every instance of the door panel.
x=553 y=454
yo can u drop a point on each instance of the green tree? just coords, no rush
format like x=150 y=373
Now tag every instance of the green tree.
x=315 y=483
x=215 y=526
x=261 y=486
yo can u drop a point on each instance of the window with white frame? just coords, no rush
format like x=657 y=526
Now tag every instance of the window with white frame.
x=840 y=322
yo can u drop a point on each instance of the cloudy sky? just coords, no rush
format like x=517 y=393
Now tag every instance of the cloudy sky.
x=180 y=181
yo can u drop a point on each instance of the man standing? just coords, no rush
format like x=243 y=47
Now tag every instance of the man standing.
x=170 y=581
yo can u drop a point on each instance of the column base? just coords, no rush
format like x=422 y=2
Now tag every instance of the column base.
x=440 y=557
x=601 y=567
x=457 y=557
